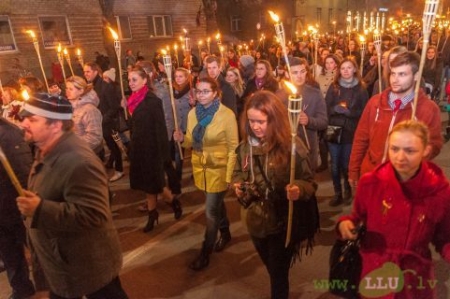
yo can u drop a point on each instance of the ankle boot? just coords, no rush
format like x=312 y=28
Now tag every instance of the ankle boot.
x=176 y=207
x=225 y=238
x=153 y=216
x=201 y=262
x=337 y=200
x=347 y=196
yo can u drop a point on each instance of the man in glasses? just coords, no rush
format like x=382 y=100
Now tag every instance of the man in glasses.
x=69 y=222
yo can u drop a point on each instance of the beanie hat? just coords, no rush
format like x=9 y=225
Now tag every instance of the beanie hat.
x=246 y=60
x=48 y=106
x=111 y=74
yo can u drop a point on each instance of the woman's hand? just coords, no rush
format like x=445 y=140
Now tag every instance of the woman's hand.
x=238 y=189
x=293 y=192
x=348 y=230
x=178 y=136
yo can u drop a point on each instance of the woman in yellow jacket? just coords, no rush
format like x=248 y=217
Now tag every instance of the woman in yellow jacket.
x=212 y=133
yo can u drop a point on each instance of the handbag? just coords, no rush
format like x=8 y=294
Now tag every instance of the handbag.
x=346 y=266
x=334 y=134
x=122 y=123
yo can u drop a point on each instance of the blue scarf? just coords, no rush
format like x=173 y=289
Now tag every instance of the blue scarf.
x=204 y=118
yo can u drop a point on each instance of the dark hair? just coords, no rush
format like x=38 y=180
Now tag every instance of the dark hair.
x=294 y=61
x=336 y=59
x=357 y=74
x=67 y=124
x=406 y=58
x=33 y=83
x=278 y=132
x=213 y=84
x=94 y=66
x=269 y=72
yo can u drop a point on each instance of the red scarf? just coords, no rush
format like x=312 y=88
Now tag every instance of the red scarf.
x=136 y=98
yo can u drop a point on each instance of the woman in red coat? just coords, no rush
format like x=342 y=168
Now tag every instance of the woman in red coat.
x=404 y=205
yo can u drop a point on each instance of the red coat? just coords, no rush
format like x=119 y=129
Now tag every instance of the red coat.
x=373 y=127
x=447 y=91
x=402 y=219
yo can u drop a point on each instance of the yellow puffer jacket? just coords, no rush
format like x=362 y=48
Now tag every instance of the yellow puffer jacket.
x=213 y=167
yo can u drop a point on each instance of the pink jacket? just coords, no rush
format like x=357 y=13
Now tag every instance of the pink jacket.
x=402 y=219
x=369 y=143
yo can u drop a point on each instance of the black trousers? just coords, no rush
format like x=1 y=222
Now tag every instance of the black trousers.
x=12 y=241
x=277 y=260
x=115 y=157
x=112 y=290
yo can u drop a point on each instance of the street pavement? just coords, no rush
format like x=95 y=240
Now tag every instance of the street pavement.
x=156 y=263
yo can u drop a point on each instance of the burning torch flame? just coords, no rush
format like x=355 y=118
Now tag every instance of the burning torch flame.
x=163 y=51
x=78 y=52
x=65 y=51
x=25 y=95
x=274 y=16
x=362 y=39
x=114 y=34
x=291 y=87
x=31 y=33
x=217 y=35
x=59 y=48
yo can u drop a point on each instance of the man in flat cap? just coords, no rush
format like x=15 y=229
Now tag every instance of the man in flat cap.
x=71 y=232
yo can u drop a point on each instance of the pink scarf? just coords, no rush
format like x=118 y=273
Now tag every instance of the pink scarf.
x=136 y=98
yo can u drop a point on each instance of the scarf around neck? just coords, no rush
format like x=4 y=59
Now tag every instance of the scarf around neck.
x=204 y=118
x=348 y=84
x=136 y=98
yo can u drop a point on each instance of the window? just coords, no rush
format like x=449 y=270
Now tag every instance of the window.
x=235 y=23
x=330 y=16
x=7 y=42
x=123 y=24
x=319 y=15
x=160 y=26
x=55 y=30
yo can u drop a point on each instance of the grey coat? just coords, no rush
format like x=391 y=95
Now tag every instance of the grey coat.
x=315 y=107
x=72 y=234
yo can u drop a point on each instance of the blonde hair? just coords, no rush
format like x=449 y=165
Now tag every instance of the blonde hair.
x=238 y=85
x=418 y=128
x=13 y=94
x=80 y=84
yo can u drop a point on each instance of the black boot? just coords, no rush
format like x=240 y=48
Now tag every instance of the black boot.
x=225 y=237
x=153 y=216
x=176 y=207
x=202 y=261
x=337 y=200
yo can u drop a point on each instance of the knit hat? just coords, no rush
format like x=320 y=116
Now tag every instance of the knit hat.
x=48 y=106
x=246 y=60
x=111 y=74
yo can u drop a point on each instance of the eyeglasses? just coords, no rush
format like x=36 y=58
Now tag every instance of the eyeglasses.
x=202 y=92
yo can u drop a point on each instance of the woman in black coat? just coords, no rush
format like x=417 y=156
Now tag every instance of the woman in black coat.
x=149 y=142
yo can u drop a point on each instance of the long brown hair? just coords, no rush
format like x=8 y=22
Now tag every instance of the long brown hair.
x=277 y=140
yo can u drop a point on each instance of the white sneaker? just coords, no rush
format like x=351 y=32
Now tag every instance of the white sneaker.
x=117 y=176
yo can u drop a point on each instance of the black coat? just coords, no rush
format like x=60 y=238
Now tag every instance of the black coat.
x=109 y=104
x=18 y=153
x=149 y=146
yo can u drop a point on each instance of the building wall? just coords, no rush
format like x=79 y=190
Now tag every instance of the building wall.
x=86 y=28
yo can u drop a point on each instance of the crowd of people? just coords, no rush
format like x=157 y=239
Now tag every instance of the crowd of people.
x=230 y=111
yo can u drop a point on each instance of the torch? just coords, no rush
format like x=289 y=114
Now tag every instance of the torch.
x=429 y=14
x=10 y=172
x=377 y=44
x=294 y=109
x=363 y=51
x=67 y=56
x=117 y=48
x=61 y=61
x=80 y=57
x=167 y=60
x=316 y=50
x=187 y=49
x=36 y=47
x=279 y=30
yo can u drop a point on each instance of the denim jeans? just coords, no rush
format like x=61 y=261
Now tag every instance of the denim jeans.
x=340 y=157
x=216 y=218
x=277 y=260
